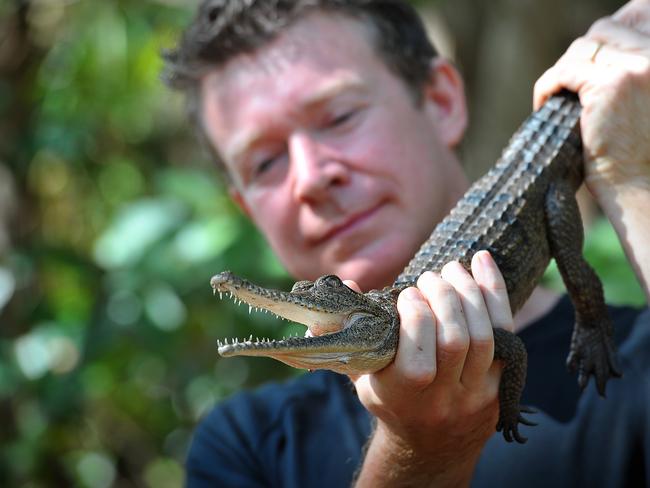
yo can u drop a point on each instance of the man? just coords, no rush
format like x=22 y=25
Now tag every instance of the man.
x=336 y=124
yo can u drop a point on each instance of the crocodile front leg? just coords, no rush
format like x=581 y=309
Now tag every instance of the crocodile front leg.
x=592 y=348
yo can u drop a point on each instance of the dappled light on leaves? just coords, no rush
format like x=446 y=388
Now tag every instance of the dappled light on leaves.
x=112 y=221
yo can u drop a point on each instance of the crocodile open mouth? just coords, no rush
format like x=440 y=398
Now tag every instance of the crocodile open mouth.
x=334 y=315
x=318 y=319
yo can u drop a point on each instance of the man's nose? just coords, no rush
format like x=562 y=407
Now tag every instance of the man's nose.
x=316 y=169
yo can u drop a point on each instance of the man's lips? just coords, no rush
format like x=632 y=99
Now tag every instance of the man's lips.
x=348 y=224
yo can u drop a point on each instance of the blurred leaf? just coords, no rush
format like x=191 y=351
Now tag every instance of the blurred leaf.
x=95 y=470
x=164 y=473
x=138 y=226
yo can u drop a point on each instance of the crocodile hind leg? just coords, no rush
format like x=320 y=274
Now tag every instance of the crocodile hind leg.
x=509 y=349
x=592 y=347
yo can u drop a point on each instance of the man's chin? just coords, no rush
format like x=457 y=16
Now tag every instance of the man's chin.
x=371 y=263
x=369 y=273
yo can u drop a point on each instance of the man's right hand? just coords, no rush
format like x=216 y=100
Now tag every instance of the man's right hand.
x=437 y=403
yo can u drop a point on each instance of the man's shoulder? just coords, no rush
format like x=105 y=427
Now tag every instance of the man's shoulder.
x=308 y=386
x=279 y=432
x=260 y=409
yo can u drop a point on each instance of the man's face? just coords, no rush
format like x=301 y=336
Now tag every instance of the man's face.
x=329 y=154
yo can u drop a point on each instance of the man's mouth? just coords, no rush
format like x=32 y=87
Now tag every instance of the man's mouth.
x=350 y=223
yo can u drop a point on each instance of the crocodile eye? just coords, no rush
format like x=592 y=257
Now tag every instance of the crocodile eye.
x=302 y=286
x=330 y=281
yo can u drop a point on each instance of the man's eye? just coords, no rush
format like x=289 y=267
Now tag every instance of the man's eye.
x=341 y=119
x=264 y=165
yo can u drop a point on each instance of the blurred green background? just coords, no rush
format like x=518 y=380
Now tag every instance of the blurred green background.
x=112 y=220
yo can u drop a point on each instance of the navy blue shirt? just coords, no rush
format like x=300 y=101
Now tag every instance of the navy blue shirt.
x=310 y=432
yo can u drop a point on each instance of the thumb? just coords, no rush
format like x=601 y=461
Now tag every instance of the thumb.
x=353 y=285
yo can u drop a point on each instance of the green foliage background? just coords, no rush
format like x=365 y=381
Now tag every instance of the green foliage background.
x=117 y=219
x=108 y=354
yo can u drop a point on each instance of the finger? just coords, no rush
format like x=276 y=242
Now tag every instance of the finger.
x=415 y=359
x=490 y=280
x=617 y=34
x=574 y=76
x=452 y=337
x=590 y=59
x=481 y=342
x=636 y=14
x=353 y=285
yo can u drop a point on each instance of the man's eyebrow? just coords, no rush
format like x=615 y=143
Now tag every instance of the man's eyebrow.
x=323 y=92
x=333 y=87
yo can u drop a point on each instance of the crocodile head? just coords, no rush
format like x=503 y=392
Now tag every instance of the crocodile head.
x=348 y=332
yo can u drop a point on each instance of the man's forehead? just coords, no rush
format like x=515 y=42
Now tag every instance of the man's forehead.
x=272 y=60
x=312 y=61
x=319 y=39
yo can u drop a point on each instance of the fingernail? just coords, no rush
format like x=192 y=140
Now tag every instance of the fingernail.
x=485 y=258
x=483 y=266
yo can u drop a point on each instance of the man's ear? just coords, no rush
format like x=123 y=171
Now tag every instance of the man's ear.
x=236 y=197
x=445 y=101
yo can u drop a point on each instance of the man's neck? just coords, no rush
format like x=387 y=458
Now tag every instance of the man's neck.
x=540 y=303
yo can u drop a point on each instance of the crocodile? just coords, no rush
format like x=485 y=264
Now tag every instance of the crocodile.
x=524 y=212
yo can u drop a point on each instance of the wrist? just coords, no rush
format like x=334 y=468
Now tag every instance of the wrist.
x=615 y=198
x=608 y=181
x=626 y=204
x=392 y=461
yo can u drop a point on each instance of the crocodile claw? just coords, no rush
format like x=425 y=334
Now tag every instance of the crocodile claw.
x=509 y=423
x=593 y=354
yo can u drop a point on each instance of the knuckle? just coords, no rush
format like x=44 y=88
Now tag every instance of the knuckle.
x=451 y=266
x=482 y=346
x=470 y=287
x=497 y=286
x=452 y=346
x=410 y=301
x=479 y=406
x=428 y=281
x=635 y=17
x=441 y=416
x=541 y=82
x=502 y=319
x=444 y=291
x=415 y=314
x=458 y=276
x=600 y=25
x=624 y=77
x=368 y=400
x=425 y=277
x=494 y=281
x=627 y=81
x=577 y=44
x=641 y=73
x=419 y=376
